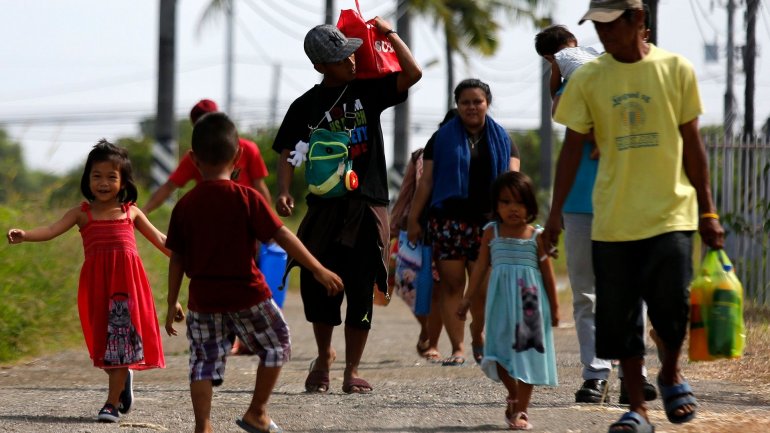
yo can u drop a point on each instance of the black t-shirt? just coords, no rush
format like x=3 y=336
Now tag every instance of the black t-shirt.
x=478 y=204
x=366 y=99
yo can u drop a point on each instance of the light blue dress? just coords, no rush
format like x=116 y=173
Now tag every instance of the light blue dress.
x=518 y=315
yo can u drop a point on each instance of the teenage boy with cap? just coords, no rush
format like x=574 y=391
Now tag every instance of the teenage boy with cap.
x=250 y=170
x=651 y=194
x=348 y=234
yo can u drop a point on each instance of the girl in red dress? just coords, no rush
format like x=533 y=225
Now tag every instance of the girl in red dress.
x=115 y=302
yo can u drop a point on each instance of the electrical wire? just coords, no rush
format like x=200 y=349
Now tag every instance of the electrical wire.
x=243 y=27
x=705 y=15
x=697 y=21
x=295 y=18
x=763 y=12
x=276 y=24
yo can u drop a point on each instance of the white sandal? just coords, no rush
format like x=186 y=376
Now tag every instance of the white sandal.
x=514 y=420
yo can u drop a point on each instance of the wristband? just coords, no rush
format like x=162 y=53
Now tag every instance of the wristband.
x=391 y=31
x=710 y=215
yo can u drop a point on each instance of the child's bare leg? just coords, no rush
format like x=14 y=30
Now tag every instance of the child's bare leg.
x=525 y=394
x=201 y=392
x=512 y=385
x=256 y=415
x=519 y=394
x=117 y=380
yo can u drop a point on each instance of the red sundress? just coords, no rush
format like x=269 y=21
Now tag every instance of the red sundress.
x=116 y=307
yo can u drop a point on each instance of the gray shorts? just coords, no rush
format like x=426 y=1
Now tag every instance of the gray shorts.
x=656 y=270
x=261 y=328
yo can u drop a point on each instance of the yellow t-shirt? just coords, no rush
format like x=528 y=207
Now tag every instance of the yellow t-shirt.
x=635 y=110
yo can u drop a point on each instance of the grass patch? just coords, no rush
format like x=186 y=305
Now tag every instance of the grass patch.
x=39 y=312
x=39 y=282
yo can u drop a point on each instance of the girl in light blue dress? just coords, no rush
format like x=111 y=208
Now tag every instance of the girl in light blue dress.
x=521 y=305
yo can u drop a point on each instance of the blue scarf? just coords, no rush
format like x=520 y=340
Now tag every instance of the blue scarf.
x=452 y=158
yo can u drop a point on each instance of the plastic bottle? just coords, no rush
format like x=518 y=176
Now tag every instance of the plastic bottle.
x=724 y=316
x=698 y=349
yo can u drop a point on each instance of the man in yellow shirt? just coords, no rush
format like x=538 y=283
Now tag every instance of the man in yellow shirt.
x=651 y=194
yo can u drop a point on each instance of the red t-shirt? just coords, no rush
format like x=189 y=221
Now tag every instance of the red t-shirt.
x=215 y=227
x=250 y=167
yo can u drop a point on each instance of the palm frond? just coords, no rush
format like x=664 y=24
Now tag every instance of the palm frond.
x=214 y=10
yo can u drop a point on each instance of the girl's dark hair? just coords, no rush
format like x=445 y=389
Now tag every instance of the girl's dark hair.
x=551 y=38
x=104 y=151
x=473 y=83
x=520 y=185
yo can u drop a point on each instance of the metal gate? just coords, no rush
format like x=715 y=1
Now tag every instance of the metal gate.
x=740 y=184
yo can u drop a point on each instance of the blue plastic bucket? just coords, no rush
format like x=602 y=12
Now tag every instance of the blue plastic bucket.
x=272 y=263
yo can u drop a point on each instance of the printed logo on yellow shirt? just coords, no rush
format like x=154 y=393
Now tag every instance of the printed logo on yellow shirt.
x=634 y=119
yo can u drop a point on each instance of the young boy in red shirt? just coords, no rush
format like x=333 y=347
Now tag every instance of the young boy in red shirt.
x=212 y=236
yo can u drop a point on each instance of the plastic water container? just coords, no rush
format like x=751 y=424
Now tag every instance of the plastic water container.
x=272 y=263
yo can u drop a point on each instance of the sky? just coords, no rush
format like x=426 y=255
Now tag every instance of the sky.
x=76 y=71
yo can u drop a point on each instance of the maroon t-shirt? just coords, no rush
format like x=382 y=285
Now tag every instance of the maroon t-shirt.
x=215 y=227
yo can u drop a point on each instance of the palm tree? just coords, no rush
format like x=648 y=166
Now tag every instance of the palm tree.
x=470 y=25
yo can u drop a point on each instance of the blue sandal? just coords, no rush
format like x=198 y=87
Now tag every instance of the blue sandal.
x=634 y=421
x=675 y=397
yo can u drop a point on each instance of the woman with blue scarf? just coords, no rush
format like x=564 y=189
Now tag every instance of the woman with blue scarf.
x=460 y=162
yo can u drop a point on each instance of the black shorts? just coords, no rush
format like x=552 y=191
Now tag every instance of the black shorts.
x=657 y=271
x=357 y=266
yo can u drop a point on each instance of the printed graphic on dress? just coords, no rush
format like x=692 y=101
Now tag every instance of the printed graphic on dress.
x=124 y=344
x=529 y=331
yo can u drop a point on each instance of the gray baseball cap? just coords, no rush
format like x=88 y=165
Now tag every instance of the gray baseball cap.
x=606 y=11
x=327 y=44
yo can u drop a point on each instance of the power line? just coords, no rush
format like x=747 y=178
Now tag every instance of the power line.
x=697 y=21
x=294 y=18
x=276 y=24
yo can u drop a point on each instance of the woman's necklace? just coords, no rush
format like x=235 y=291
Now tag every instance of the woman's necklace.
x=472 y=142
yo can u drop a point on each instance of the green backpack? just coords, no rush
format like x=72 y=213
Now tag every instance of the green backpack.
x=328 y=163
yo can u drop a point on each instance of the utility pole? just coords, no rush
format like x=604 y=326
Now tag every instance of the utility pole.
x=274 y=95
x=729 y=109
x=546 y=131
x=164 y=152
x=653 y=6
x=450 y=73
x=401 y=111
x=329 y=14
x=749 y=62
x=229 y=41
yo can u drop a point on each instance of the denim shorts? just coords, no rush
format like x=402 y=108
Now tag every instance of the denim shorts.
x=656 y=270
x=261 y=328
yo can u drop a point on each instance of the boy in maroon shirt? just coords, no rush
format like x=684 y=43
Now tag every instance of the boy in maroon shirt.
x=212 y=236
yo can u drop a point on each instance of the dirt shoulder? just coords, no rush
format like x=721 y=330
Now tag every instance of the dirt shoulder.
x=62 y=392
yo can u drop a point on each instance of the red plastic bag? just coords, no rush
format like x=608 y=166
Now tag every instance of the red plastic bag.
x=376 y=57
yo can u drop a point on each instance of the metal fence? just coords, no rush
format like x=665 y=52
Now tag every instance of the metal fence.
x=740 y=184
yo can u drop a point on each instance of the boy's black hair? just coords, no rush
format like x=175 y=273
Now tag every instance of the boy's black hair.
x=473 y=83
x=106 y=151
x=214 y=139
x=520 y=186
x=548 y=41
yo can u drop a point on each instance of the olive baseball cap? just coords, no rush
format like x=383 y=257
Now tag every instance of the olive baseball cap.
x=327 y=44
x=606 y=11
